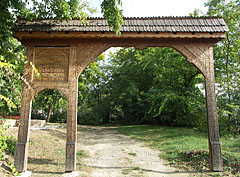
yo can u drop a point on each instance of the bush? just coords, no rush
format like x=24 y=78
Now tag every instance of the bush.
x=97 y=115
x=7 y=143
x=59 y=117
x=89 y=118
x=7 y=146
x=229 y=121
x=37 y=116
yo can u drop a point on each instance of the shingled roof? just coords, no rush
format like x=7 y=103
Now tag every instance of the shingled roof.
x=150 y=24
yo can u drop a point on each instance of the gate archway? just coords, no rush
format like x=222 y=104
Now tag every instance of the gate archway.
x=61 y=51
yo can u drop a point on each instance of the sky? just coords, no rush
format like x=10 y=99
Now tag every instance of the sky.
x=155 y=8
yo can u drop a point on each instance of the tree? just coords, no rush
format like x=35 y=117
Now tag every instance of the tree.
x=227 y=63
x=50 y=102
x=93 y=104
x=12 y=53
x=156 y=82
x=138 y=86
x=11 y=57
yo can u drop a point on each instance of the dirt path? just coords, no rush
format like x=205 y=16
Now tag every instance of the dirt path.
x=111 y=154
x=101 y=152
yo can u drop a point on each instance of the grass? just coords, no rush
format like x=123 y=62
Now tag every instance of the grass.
x=137 y=168
x=132 y=154
x=82 y=153
x=185 y=147
x=126 y=171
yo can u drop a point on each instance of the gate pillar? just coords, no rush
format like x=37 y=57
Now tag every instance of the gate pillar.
x=216 y=162
x=23 y=133
x=201 y=55
x=71 y=141
x=25 y=118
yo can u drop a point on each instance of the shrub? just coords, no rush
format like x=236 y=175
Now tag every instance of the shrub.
x=59 y=117
x=96 y=115
x=7 y=146
x=7 y=143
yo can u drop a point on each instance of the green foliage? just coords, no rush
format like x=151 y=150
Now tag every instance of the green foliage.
x=112 y=12
x=7 y=146
x=3 y=141
x=12 y=53
x=52 y=105
x=196 y=13
x=227 y=63
x=142 y=86
x=60 y=9
x=11 y=65
x=93 y=108
x=9 y=102
x=11 y=56
x=156 y=82
x=95 y=115
x=59 y=117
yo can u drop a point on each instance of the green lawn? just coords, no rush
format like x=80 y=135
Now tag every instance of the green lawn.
x=184 y=146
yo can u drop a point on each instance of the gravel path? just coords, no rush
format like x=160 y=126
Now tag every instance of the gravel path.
x=111 y=154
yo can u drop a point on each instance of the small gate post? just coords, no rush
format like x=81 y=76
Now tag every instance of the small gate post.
x=215 y=157
x=71 y=142
x=23 y=132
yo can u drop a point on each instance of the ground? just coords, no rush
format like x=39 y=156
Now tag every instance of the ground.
x=101 y=151
x=113 y=154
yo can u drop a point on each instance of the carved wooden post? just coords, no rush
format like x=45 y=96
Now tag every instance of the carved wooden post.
x=201 y=55
x=23 y=133
x=71 y=143
x=216 y=162
x=25 y=116
x=71 y=131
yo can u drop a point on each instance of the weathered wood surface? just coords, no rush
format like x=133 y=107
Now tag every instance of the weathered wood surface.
x=63 y=56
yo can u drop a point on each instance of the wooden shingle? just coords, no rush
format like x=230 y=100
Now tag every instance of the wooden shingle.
x=158 y=24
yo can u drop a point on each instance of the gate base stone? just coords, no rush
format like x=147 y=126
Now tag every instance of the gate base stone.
x=25 y=174
x=71 y=174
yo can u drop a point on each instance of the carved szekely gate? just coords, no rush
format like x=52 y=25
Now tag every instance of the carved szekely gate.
x=61 y=51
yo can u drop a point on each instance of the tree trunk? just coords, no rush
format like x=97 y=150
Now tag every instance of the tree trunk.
x=50 y=110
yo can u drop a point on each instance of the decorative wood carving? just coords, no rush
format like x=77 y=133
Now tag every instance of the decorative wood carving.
x=64 y=91
x=196 y=53
x=87 y=53
x=201 y=55
x=52 y=63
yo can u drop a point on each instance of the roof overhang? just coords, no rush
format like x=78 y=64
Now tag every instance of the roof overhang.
x=174 y=28
x=23 y=35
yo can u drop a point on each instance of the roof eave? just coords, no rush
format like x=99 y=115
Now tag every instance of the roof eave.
x=21 y=35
